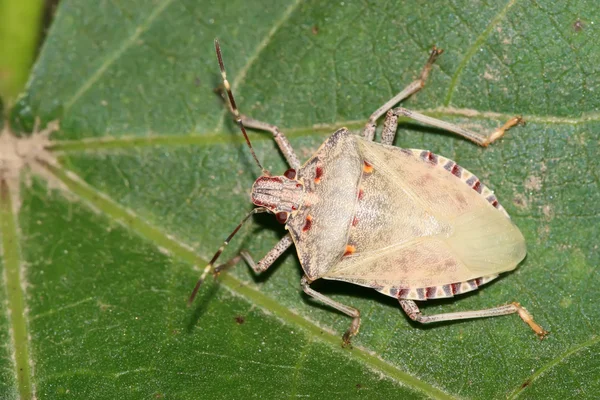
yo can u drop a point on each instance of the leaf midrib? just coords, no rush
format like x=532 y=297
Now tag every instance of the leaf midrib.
x=125 y=140
x=9 y=246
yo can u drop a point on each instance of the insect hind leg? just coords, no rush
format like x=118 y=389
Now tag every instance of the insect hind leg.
x=482 y=139
x=282 y=142
x=412 y=310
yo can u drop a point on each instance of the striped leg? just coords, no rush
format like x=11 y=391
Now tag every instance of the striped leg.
x=243 y=121
x=210 y=266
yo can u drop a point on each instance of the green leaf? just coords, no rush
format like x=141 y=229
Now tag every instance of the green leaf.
x=147 y=175
x=20 y=23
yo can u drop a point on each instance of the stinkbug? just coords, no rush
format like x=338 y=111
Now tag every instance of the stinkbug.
x=408 y=223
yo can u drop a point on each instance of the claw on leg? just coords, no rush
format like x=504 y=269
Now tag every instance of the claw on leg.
x=435 y=53
x=352 y=331
x=349 y=311
x=525 y=316
x=497 y=134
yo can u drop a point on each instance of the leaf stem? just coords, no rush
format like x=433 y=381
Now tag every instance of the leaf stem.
x=14 y=290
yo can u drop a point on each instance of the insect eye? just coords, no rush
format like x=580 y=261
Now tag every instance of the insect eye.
x=282 y=217
x=290 y=173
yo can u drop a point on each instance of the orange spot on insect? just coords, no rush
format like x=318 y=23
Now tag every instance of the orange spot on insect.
x=361 y=194
x=307 y=223
x=354 y=221
x=349 y=250
x=367 y=167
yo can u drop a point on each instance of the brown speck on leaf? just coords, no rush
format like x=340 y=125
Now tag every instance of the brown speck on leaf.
x=578 y=25
x=519 y=201
x=314 y=29
x=359 y=386
x=525 y=384
x=240 y=319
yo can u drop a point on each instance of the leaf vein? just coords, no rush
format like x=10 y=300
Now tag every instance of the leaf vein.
x=125 y=45
x=14 y=288
x=124 y=140
x=473 y=49
x=554 y=362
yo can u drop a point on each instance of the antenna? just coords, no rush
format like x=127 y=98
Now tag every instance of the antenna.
x=209 y=267
x=233 y=106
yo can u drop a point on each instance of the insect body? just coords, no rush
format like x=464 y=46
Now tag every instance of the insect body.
x=408 y=223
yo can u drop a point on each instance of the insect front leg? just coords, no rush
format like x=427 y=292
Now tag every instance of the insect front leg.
x=413 y=312
x=350 y=311
x=264 y=263
x=283 y=143
x=369 y=129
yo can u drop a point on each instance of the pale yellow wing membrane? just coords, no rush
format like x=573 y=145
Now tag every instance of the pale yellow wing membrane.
x=487 y=242
x=433 y=229
x=417 y=264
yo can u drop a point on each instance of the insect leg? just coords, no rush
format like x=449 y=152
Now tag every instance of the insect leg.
x=280 y=139
x=244 y=121
x=479 y=138
x=369 y=129
x=264 y=263
x=210 y=266
x=413 y=312
x=350 y=311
